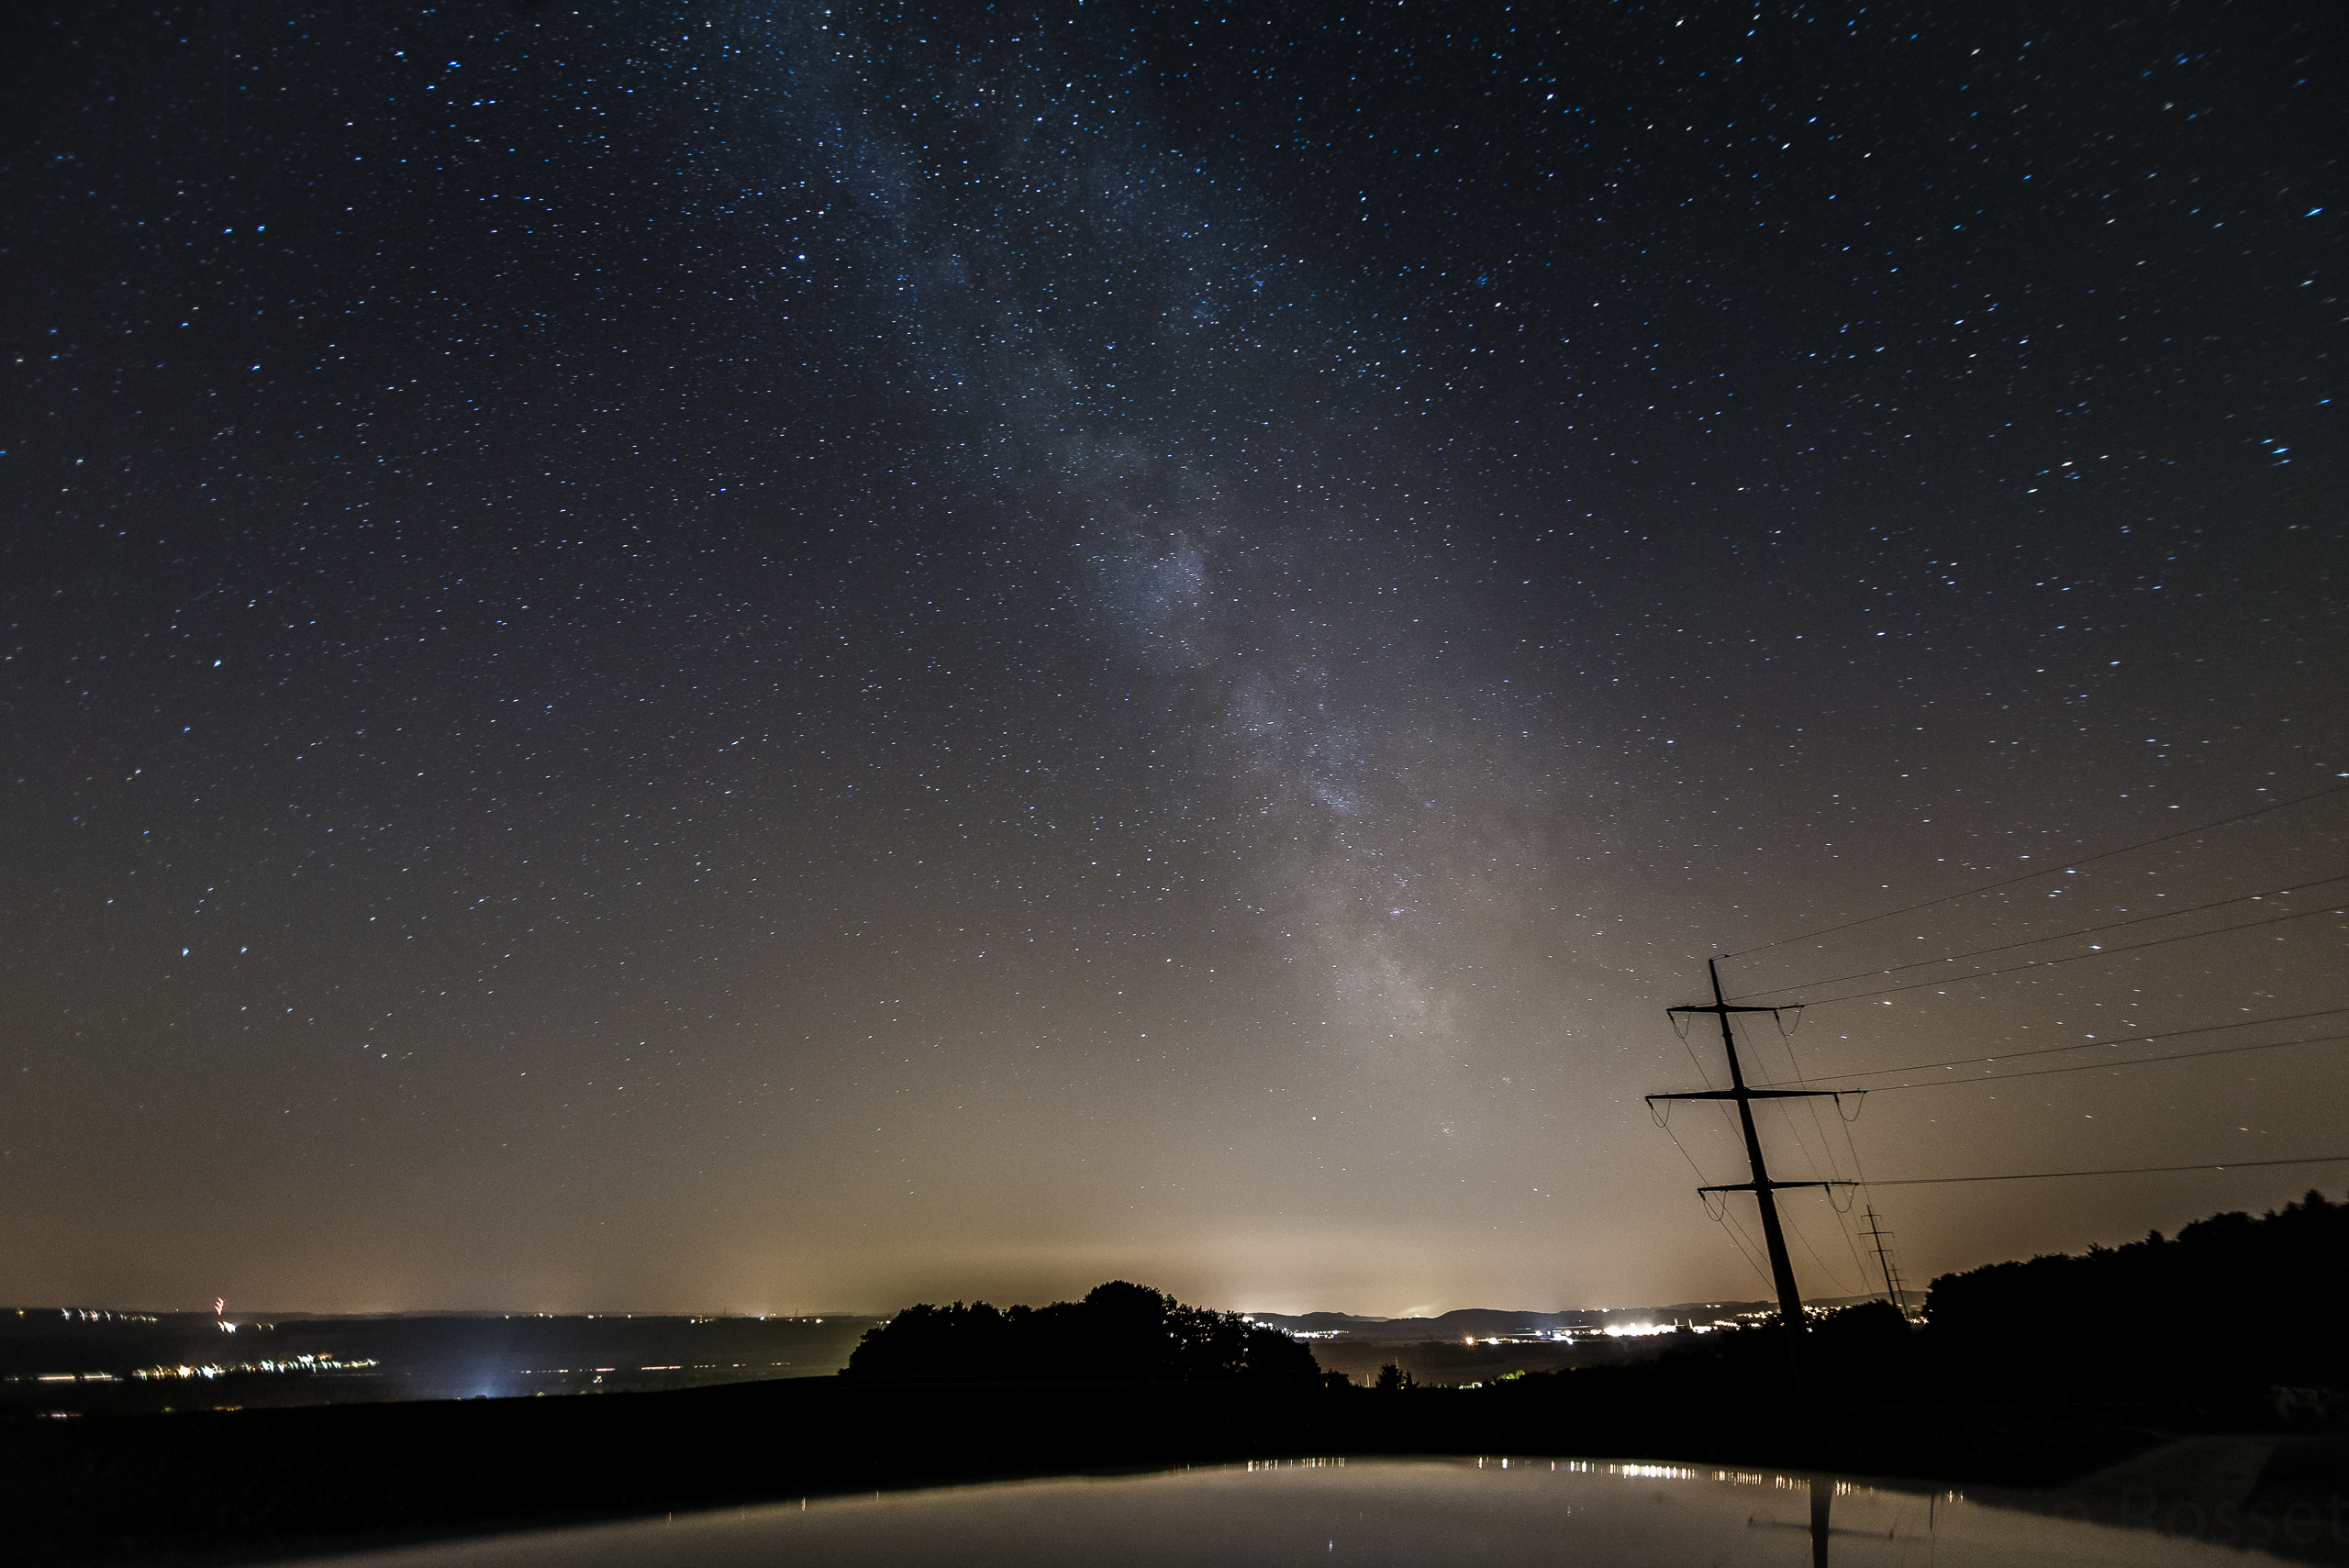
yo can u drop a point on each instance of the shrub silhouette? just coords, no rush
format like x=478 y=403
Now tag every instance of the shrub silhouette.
x=1120 y=1332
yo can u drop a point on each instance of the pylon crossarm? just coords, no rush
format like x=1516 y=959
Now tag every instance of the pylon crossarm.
x=1772 y=1186
x=1724 y=1007
x=1758 y=1095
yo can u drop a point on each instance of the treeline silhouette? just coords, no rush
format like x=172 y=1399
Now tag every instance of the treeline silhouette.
x=2234 y=1307
x=2230 y=1297
x=2027 y=1374
x=1119 y=1332
x=2228 y=1316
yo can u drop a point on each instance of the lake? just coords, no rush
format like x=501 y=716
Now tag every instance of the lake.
x=1417 y=1511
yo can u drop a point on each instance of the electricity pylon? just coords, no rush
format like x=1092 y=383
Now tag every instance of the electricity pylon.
x=1782 y=1268
x=1876 y=1234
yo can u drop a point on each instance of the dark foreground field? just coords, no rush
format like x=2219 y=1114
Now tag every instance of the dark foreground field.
x=248 y=1485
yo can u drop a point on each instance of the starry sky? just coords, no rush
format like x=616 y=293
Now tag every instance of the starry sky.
x=760 y=658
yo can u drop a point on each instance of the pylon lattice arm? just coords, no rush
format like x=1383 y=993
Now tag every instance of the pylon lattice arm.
x=1761 y=1095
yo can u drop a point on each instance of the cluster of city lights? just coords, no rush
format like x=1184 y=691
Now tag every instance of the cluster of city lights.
x=298 y=1364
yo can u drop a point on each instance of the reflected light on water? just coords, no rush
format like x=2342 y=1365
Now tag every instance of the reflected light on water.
x=1493 y=1510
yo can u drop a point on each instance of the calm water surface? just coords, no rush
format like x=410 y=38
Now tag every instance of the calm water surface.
x=1495 y=1511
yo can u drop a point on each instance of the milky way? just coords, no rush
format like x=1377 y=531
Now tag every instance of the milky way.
x=697 y=658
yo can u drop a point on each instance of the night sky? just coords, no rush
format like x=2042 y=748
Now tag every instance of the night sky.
x=704 y=657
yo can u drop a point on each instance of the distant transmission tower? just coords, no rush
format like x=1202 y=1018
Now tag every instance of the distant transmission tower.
x=1782 y=1268
x=1877 y=1235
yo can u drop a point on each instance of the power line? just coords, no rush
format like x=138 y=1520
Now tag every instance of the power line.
x=2084 y=1045
x=2130 y=1170
x=2058 y=936
x=1795 y=1225
x=1735 y=1227
x=1729 y=1228
x=2044 y=870
x=2107 y=1066
x=1833 y=1169
x=1876 y=1233
x=2075 y=958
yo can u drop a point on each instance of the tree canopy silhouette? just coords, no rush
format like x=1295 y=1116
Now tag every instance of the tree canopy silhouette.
x=1120 y=1332
x=2232 y=1295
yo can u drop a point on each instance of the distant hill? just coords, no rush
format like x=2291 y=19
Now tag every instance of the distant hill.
x=89 y=1360
x=1487 y=1322
x=1479 y=1321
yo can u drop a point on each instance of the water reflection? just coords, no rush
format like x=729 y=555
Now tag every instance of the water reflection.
x=1328 y=1511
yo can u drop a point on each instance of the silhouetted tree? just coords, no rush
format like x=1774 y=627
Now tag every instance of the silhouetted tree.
x=2160 y=1310
x=1120 y=1331
x=1393 y=1379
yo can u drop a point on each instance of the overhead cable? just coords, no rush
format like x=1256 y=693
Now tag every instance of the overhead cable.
x=2045 y=871
x=2055 y=936
x=2075 y=958
x=2129 y=1170
x=2107 y=1066
x=2083 y=1045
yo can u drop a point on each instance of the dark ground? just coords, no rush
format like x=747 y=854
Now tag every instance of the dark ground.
x=249 y=1486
